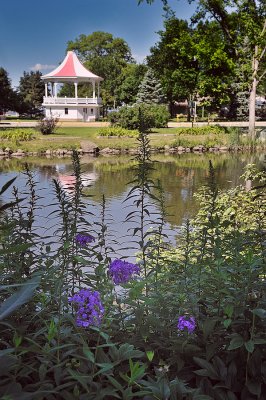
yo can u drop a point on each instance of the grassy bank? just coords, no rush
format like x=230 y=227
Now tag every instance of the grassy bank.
x=75 y=137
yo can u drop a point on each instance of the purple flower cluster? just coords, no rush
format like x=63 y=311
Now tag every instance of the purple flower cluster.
x=185 y=322
x=89 y=308
x=122 y=271
x=82 y=239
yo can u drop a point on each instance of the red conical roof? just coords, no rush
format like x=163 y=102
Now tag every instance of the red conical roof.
x=71 y=68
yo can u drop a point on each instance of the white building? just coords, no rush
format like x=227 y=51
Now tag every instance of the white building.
x=71 y=108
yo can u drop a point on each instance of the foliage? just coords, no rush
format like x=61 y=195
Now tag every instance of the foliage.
x=105 y=56
x=192 y=61
x=7 y=95
x=117 y=131
x=190 y=326
x=17 y=134
x=131 y=77
x=202 y=130
x=47 y=126
x=239 y=23
x=150 y=90
x=31 y=91
x=153 y=116
x=244 y=30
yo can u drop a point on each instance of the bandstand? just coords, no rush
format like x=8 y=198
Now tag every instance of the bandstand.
x=71 y=108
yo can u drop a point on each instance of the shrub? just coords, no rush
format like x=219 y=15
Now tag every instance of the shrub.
x=152 y=116
x=118 y=131
x=18 y=134
x=202 y=130
x=47 y=126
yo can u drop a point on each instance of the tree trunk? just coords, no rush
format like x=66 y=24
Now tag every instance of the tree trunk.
x=252 y=108
x=252 y=95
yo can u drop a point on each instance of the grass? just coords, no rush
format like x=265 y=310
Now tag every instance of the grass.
x=72 y=137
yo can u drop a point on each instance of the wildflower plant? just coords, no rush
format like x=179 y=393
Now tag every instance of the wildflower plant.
x=84 y=239
x=186 y=323
x=122 y=271
x=90 y=310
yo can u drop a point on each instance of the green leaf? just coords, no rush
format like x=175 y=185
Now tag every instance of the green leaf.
x=19 y=298
x=20 y=248
x=259 y=312
x=9 y=205
x=259 y=341
x=137 y=371
x=150 y=355
x=105 y=367
x=84 y=380
x=208 y=327
x=6 y=185
x=254 y=387
x=115 y=383
x=42 y=372
x=212 y=373
x=227 y=322
x=88 y=353
x=202 y=372
x=249 y=346
x=228 y=310
x=236 y=343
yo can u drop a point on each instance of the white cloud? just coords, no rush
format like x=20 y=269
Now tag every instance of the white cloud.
x=42 y=67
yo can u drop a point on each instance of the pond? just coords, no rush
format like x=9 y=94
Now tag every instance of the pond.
x=180 y=176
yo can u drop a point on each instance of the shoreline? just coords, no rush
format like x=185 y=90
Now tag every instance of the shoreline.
x=95 y=151
x=86 y=140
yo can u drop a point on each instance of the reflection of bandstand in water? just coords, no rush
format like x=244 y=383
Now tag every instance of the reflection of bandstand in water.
x=67 y=182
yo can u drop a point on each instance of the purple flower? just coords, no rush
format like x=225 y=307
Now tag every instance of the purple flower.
x=89 y=307
x=122 y=271
x=82 y=240
x=185 y=322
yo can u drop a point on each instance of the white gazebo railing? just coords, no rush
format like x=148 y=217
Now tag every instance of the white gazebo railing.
x=72 y=100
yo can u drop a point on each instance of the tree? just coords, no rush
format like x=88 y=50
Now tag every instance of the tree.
x=131 y=78
x=245 y=24
x=31 y=90
x=193 y=61
x=240 y=20
x=150 y=90
x=105 y=56
x=6 y=92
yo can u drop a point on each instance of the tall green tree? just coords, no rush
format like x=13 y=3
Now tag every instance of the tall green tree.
x=6 y=92
x=105 y=56
x=31 y=91
x=240 y=20
x=150 y=90
x=131 y=78
x=193 y=61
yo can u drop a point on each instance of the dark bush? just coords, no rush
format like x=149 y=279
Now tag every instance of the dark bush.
x=47 y=126
x=152 y=116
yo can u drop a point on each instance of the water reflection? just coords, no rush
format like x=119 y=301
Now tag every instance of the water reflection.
x=180 y=176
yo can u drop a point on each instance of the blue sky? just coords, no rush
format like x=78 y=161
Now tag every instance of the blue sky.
x=35 y=34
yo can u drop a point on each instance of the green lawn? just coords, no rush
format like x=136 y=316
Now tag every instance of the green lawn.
x=75 y=137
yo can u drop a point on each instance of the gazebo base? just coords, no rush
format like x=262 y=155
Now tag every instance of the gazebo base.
x=73 y=113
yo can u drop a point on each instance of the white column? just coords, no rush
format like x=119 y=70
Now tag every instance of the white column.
x=93 y=89
x=76 y=89
x=55 y=89
x=46 y=89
